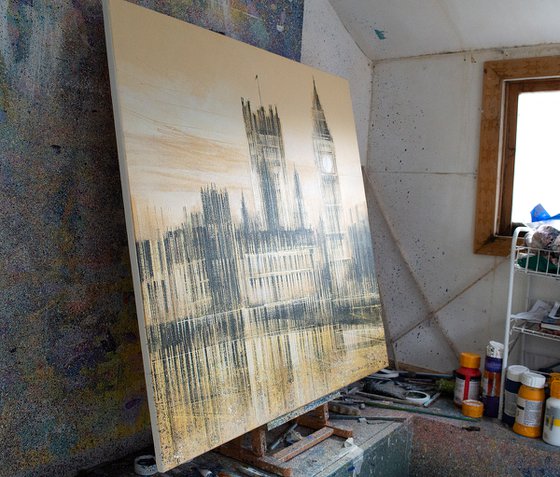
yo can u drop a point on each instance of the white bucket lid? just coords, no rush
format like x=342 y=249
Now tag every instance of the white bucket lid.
x=515 y=371
x=533 y=380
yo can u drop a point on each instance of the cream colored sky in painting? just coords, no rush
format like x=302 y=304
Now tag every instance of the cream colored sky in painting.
x=179 y=88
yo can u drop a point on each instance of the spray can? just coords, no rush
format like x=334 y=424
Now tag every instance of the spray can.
x=492 y=378
x=530 y=400
x=467 y=378
x=511 y=388
x=551 y=428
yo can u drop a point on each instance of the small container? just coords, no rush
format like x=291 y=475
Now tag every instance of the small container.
x=550 y=378
x=551 y=428
x=145 y=465
x=492 y=378
x=511 y=388
x=554 y=376
x=472 y=408
x=530 y=401
x=467 y=378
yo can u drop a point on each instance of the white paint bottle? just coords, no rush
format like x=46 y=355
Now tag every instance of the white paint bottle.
x=551 y=428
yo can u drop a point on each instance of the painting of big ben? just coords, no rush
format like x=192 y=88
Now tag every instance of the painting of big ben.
x=251 y=252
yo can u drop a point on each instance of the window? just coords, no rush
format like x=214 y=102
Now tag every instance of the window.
x=537 y=146
x=504 y=82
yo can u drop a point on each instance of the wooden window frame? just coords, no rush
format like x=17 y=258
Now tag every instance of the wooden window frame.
x=505 y=196
x=494 y=168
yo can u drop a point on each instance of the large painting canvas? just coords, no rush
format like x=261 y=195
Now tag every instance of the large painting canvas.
x=251 y=251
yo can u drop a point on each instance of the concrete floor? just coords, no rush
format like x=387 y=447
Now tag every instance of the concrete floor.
x=421 y=446
x=449 y=448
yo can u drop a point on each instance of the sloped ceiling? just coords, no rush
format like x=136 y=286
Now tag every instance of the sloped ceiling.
x=402 y=28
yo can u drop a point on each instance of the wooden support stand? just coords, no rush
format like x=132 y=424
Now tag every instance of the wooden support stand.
x=276 y=463
x=319 y=418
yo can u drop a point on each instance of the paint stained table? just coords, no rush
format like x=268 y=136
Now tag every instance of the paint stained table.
x=331 y=457
x=419 y=446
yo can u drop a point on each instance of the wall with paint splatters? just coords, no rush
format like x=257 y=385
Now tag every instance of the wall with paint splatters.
x=439 y=297
x=72 y=390
x=328 y=46
x=71 y=378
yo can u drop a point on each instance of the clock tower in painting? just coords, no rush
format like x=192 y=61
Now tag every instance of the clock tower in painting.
x=332 y=215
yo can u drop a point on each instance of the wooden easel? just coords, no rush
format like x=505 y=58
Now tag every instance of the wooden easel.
x=276 y=463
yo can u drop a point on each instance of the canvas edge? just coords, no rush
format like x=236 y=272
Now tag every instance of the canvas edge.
x=121 y=149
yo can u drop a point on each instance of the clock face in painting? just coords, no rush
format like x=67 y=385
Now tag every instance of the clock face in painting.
x=327 y=162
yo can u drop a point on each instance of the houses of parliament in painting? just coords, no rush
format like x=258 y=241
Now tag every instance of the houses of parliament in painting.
x=289 y=304
x=272 y=257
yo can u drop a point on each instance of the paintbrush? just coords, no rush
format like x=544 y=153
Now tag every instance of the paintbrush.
x=394 y=407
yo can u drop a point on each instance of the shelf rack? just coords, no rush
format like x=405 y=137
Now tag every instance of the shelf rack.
x=533 y=262
x=533 y=329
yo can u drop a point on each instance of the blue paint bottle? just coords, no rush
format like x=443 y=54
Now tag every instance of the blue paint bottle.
x=492 y=378
x=511 y=388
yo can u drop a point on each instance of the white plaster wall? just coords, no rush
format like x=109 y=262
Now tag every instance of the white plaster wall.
x=327 y=45
x=439 y=297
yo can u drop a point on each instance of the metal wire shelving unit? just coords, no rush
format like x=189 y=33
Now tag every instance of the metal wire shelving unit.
x=532 y=262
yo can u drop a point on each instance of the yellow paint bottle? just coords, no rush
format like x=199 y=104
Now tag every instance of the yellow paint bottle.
x=553 y=377
x=530 y=401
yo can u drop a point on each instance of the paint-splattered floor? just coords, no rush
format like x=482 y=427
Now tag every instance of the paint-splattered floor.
x=485 y=448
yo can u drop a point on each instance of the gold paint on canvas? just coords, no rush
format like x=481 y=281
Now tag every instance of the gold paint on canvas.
x=254 y=274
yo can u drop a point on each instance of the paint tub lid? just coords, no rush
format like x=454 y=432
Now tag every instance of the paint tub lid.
x=515 y=371
x=555 y=389
x=495 y=350
x=472 y=408
x=469 y=360
x=533 y=380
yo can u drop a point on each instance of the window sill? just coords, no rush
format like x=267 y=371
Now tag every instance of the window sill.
x=493 y=245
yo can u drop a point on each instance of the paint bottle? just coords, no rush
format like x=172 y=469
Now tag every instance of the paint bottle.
x=551 y=427
x=553 y=377
x=467 y=378
x=511 y=388
x=492 y=378
x=548 y=386
x=530 y=401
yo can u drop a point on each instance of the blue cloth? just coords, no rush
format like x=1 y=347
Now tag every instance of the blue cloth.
x=539 y=214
